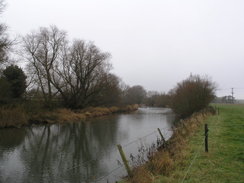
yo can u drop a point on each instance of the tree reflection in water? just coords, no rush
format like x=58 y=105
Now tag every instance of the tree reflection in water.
x=58 y=153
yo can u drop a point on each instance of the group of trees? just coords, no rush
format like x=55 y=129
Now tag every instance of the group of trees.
x=77 y=74
x=73 y=74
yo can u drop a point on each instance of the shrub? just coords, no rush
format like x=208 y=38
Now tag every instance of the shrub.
x=192 y=95
x=17 y=80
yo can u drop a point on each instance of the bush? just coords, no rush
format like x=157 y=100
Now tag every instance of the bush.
x=17 y=80
x=192 y=95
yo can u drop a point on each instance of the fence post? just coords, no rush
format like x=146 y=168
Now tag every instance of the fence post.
x=206 y=137
x=123 y=157
x=218 y=110
x=160 y=133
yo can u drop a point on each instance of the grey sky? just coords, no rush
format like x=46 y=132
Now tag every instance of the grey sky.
x=154 y=43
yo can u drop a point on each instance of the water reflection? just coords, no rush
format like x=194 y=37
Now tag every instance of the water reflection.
x=11 y=138
x=78 y=152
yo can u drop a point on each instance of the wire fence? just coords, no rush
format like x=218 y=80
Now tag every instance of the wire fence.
x=196 y=154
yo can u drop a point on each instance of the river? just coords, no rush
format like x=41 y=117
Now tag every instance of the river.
x=79 y=152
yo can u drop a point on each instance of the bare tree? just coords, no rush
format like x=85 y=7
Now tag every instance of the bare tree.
x=5 y=43
x=81 y=73
x=76 y=72
x=42 y=49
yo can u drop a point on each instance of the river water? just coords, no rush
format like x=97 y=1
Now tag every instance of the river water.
x=79 y=152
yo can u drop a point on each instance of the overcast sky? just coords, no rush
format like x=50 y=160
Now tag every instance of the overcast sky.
x=154 y=43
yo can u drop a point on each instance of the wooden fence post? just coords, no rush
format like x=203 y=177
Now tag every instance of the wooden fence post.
x=123 y=157
x=162 y=137
x=206 y=137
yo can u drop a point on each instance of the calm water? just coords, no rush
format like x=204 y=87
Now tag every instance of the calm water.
x=78 y=152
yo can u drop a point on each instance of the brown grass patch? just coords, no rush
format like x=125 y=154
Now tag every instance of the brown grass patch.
x=141 y=175
x=61 y=115
x=16 y=117
x=13 y=117
x=64 y=115
x=160 y=163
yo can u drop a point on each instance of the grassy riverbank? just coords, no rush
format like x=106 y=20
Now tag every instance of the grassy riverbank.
x=18 y=116
x=225 y=160
x=186 y=160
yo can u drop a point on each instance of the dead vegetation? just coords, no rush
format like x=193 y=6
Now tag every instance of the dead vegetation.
x=16 y=117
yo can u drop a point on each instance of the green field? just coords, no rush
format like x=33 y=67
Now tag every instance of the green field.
x=225 y=160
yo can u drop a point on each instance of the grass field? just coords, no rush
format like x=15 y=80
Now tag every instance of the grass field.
x=225 y=160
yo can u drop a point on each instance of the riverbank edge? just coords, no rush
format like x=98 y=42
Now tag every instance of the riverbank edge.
x=165 y=160
x=18 y=117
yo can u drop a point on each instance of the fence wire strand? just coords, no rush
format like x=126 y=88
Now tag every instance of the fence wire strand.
x=138 y=139
x=192 y=161
x=102 y=177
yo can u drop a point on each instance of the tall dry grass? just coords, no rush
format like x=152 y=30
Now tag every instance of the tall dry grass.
x=17 y=116
x=141 y=175
x=13 y=117
x=64 y=115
